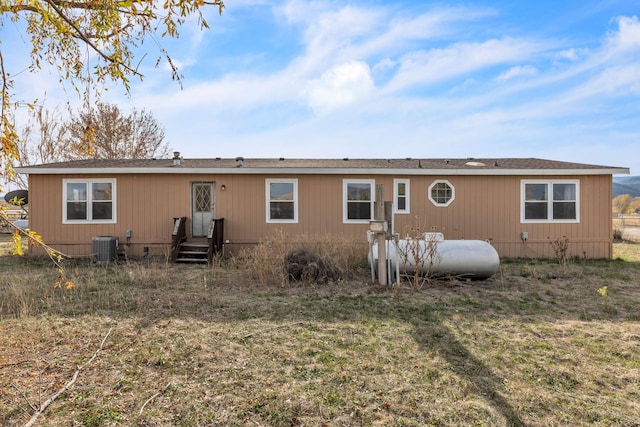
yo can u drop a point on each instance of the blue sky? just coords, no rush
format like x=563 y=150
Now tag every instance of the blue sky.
x=328 y=79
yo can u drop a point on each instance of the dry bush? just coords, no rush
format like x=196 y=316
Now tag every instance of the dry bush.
x=617 y=233
x=335 y=259
x=561 y=249
x=307 y=265
x=421 y=251
x=264 y=261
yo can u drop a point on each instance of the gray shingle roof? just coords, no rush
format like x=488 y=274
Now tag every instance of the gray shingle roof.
x=352 y=166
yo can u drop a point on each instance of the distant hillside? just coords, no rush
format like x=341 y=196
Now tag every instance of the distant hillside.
x=626 y=185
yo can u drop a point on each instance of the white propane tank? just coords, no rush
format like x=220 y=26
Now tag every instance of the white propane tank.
x=472 y=259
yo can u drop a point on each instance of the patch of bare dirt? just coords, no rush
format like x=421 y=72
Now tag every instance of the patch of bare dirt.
x=631 y=233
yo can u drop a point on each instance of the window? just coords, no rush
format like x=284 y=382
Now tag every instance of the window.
x=89 y=200
x=441 y=193
x=546 y=201
x=282 y=200
x=358 y=200
x=401 y=196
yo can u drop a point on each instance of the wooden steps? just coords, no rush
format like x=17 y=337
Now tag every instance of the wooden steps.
x=193 y=252
x=199 y=251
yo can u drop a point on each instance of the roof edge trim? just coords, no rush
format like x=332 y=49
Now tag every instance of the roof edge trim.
x=319 y=171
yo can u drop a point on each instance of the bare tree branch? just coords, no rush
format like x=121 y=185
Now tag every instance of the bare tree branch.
x=81 y=35
x=65 y=387
x=153 y=397
x=24 y=396
x=288 y=325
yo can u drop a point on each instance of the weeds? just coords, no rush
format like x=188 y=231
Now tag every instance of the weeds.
x=279 y=260
x=617 y=233
x=201 y=345
x=560 y=247
x=419 y=250
x=305 y=264
x=606 y=301
x=603 y=293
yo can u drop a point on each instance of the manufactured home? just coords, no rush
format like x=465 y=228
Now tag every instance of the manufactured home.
x=519 y=205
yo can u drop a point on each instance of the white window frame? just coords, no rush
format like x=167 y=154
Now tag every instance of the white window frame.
x=453 y=193
x=406 y=196
x=345 y=205
x=268 y=183
x=89 y=182
x=549 y=183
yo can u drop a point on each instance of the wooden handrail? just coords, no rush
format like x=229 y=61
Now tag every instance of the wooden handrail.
x=215 y=237
x=178 y=236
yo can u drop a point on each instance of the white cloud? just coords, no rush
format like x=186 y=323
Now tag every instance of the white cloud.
x=464 y=86
x=330 y=34
x=402 y=32
x=612 y=81
x=572 y=54
x=342 y=85
x=383 y=65
x=234 y=93
x=299 y=11
x=628 y=35
x=610 y=71
x=336 y=35
x=435 y=65
x=518 y=71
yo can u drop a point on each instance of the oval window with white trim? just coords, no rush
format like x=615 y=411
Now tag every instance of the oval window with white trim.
x=442 y=193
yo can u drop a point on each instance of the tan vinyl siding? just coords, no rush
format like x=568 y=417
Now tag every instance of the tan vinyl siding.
x=145 y=204
x=485 y=207
x=488 y=208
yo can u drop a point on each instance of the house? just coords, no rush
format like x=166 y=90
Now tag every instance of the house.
x=520 y=205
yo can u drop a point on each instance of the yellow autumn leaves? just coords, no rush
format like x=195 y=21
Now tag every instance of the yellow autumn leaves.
x=33 y=238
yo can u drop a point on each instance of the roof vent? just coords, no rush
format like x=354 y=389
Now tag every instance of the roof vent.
x=476 y=164
x=346 y=159
x=239 y=161
x=177 y=160
x=281 y=158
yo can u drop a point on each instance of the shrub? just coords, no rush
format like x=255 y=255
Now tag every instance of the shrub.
x=561 y=248
x=279 y=260
x=306 y=264
x=617 y=233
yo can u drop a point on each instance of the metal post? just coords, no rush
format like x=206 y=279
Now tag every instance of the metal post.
x=370 y=239
x=382 y=240
x=382 y=259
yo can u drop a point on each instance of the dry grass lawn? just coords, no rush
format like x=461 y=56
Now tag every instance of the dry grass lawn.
x=539 y=344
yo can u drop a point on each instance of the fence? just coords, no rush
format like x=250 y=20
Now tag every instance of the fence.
x=12 y=215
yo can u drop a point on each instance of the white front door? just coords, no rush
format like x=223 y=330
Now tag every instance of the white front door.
x=202 y=207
